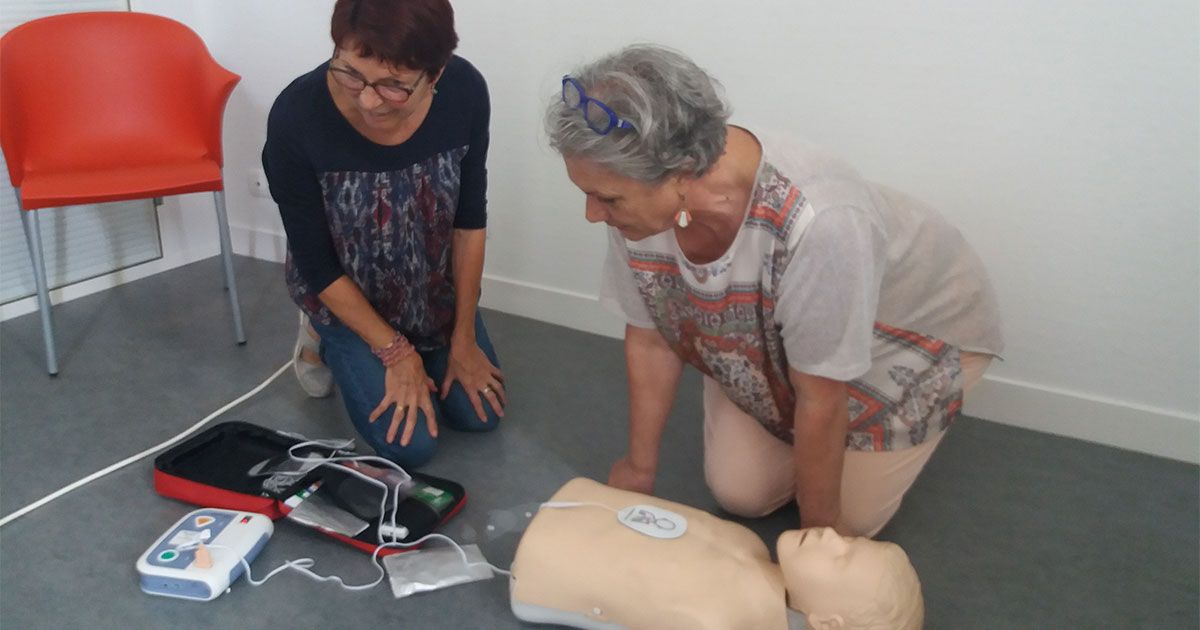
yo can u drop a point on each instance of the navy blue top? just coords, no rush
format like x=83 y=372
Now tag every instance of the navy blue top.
x=382 y=215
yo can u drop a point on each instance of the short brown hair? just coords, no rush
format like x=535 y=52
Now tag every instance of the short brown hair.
x=414 y=34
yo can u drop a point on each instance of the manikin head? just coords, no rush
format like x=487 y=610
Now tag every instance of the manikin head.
x=849 y=583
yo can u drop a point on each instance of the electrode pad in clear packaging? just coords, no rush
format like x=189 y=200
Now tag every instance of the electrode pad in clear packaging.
x=282 y=472
x=433 y=568
x=313 y=508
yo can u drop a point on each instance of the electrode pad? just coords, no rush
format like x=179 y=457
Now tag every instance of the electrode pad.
x=653 y=521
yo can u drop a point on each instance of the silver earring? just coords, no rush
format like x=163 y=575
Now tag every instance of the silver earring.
x=683 y=218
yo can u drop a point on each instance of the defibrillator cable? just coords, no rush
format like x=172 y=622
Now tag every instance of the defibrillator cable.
x=150 y=451
x=304 y=565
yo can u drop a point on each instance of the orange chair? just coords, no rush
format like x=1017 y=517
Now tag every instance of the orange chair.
x=110 y=106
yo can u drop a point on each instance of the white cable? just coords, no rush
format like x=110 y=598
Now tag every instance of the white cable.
x=129 y=460
x=573 y=504
x=336 y=445
x=340 y=445
x=303 y=565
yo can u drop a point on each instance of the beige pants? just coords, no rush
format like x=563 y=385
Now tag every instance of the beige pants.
x=751 y=472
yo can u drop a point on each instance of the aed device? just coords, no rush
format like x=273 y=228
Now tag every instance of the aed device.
x=202 y=554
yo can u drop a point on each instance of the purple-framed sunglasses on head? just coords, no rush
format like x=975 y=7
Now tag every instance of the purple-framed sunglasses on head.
x=598 y=116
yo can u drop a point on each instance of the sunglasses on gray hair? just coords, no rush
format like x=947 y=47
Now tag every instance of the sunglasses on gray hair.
x=598 y=116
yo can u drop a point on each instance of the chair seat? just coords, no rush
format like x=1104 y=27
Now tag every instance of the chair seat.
x=46 y=190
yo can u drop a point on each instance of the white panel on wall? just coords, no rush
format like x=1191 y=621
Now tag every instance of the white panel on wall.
x=79 y=242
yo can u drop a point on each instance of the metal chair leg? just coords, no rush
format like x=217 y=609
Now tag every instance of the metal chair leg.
x=227 y=261
x=33 y=236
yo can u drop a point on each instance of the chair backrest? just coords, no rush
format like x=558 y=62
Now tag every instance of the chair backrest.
x=97 y=90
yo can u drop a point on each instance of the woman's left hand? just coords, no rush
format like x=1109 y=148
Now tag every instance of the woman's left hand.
x=482 y=380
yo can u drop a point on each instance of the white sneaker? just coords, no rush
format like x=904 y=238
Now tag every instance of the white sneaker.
x=316 y=379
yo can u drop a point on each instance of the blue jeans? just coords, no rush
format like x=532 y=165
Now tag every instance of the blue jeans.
x=359 y=376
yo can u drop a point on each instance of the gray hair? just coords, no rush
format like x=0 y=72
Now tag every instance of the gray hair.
x=676 y=109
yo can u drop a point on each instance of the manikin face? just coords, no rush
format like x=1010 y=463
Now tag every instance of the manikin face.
x=843 y=582
x=379 y=109
x=638 y=210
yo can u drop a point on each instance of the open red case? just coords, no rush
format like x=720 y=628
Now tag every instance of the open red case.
x=213 y=469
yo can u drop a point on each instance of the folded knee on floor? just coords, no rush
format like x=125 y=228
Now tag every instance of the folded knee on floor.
x=416 y=454
x=866 y=520
x=744 y=499
x=473 y=424
x=458 y=411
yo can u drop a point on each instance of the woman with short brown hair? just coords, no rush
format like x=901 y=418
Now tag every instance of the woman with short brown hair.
x=377 y=159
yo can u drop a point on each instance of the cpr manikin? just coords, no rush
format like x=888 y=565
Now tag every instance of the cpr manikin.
x=601 y=558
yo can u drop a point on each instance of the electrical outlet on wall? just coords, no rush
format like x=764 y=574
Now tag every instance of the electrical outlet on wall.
x=258 y=184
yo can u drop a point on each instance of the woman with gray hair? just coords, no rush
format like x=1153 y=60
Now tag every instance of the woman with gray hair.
x=837 y=322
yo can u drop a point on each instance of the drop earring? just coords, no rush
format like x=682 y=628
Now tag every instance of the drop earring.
x=683 y=218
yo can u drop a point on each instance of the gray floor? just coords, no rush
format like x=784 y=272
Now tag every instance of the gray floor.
x=1007 y=528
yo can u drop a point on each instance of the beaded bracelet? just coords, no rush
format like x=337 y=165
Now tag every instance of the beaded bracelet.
x=395 y=352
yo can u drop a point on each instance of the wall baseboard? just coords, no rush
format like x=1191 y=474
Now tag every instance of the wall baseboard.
x=574 y=310
x=1160 y=432
x=1118 y=423
x=258 y=244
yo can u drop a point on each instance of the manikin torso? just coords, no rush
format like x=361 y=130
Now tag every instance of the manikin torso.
x=581 y=566
x=582 y=560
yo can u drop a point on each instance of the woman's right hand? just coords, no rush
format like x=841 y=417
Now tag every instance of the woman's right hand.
x=406 y=385
x=625 y=475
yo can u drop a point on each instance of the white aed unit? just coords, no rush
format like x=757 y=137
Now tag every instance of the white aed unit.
x=202 y=554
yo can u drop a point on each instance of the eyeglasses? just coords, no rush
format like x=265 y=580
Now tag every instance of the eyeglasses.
x=598 y=116
x=387 y=89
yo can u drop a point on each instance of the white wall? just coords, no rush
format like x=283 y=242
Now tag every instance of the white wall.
x=1061 y=137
